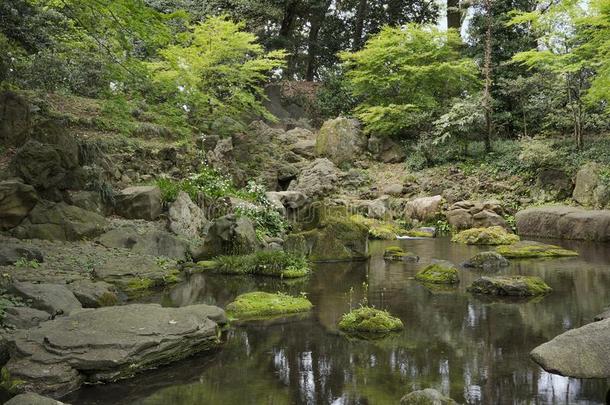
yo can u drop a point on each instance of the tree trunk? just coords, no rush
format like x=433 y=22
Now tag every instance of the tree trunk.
x=361 y=12
x=487 y=101
x=285 y=33
x=317 y=19
x=454 y=16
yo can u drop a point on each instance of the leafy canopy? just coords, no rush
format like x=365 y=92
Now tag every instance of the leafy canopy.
x=403 y=75
x=216 y=72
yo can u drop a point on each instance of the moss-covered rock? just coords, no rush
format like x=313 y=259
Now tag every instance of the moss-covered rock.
x=530 y=249
x=368 y=322
x=377 y=229
x=495 y=235
x=487 y=261
x=428 y=396
x=422 y=232
x=337 y=239
x=518 y=286
x=395 y=253
x=440 y=272
x=261 y=305
x=264 y=263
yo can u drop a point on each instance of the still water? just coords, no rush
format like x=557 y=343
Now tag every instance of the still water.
x=474 y=349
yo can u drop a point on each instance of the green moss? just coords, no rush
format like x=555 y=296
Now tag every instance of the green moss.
x=266 y=263
x=495 y=235
x=415 y=233
x=527 y=249
x=8 y=383
x=107 y=299
x=521 y=286
x=139 y=284
x=379 y=229
x=368 y=322
x=438 y=273
x=261 y=304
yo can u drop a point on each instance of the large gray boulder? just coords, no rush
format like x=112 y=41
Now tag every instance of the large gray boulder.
x=317 y=179
x=427 y=396
x=60 y=221
x=151 y=242
x=185 y=218
x=16 y=201
x=288 y=202
x=340 y=140
x=139 y=202
x=56 y=299
x=579 y=353
x=475 y=214
x=590 y=189
x=33 y=399
x=553 y=185
x=109 y=344
x=486 y=261
x=563 y=222
x=228 y=235
x=423 y=208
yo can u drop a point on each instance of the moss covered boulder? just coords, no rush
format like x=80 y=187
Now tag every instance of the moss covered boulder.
x=264 y=263
x=440 y=272
x=495 y=235
x=428 y=396
x=486 y=261
x=395 y=253
x=340 y=140
x=261 y=305
x=337 y=239
x=422 y=232
x=516 y=286
x=530 y=249
x=368 y=322
x=378 y=229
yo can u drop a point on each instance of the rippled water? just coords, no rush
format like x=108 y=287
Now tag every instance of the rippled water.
x=471 y=348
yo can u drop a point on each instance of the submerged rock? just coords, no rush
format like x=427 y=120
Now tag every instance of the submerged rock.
x=579 y=353
x=422 y=232
x=395 y=253
x=109 y=344
x=55 y=299
x=439 y=272
x=33 y=399
x=518 y=286
x=427 y=396
x=530 y=249
x=261 y=304
x=495 y=235
x=487 y=261
x=370 y=322
x=564 y=223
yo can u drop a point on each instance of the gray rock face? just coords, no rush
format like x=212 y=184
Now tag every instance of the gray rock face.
x=317 y=179
x=140 y=202
x=564 y=223
x=15 y=120
x=579 y=353
x=135 y=273
x=60 y=221
x=288 y=202
x=487 y=261
x=589 y=188
x=340 y=140
x=55 y=299
x=94 y=294
x=423 y=208
x=304 y=148
x=386 y=150
x=428 y=396
x=16 y=201
x=24 y=317
x=228 y=235
x=10 y=253
x=87 y=200
x=153 y=243
x=475 y=214
x=185 y=217
x=109 y=344
x=33 y=399
x=553 y=184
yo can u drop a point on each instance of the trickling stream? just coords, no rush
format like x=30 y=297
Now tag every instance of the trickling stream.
x=474 y=349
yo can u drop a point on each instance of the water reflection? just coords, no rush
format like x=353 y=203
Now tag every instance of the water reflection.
x=473 y=349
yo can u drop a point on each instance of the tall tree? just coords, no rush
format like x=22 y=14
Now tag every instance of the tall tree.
x=487 y=99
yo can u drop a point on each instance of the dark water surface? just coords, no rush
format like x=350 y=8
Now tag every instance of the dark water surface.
x=473 y=349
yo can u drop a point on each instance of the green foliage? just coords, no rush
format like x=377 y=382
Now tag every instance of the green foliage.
x=537 y=153
x=261 y=304
x=334 y=98
x=25 y=263
x=404 y=74
x=464 y=121
x=264 y=263
x=208 y=182
x=266 y=219
x=216 y=72
x=369 y=323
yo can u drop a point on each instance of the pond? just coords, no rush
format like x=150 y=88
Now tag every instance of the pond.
x=474 y=349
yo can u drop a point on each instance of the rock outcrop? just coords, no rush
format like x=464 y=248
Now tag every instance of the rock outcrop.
x=109 y=344
x=564 y=222
x=15 y=122
x=94 y=294
x=579 y=353
x=56 y=299
x=151 y=242
x=185 y=218
x=33 y=399
x=317 y=179
x=11 y=253
x=340 y=140
x=228 y=235
x=590 y=189
x=386 y=150
x=140 y=202
x=423 y=208
x=16 y=201
x=475 y=214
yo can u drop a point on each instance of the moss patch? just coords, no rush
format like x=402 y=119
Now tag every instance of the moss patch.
x=421 y=233
x=261 y=304
x=518 y=286
x=395 y=253
x=438 y=273
x=267 y=263
x=528 y=249
x=379 y=229
x=368 y=322
x=495 y=235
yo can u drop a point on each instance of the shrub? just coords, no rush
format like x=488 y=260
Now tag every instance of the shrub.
x=265 y=263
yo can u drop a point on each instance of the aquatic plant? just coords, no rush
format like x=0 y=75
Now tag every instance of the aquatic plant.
x=369 y=322
x=264 y=263
x=260 y=304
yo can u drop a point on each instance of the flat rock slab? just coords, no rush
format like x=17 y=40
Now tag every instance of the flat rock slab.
x=514 y=286
x=564 y=223
x=55 y=299
x=109 y=344
x=24 y=317
x=580 y=353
